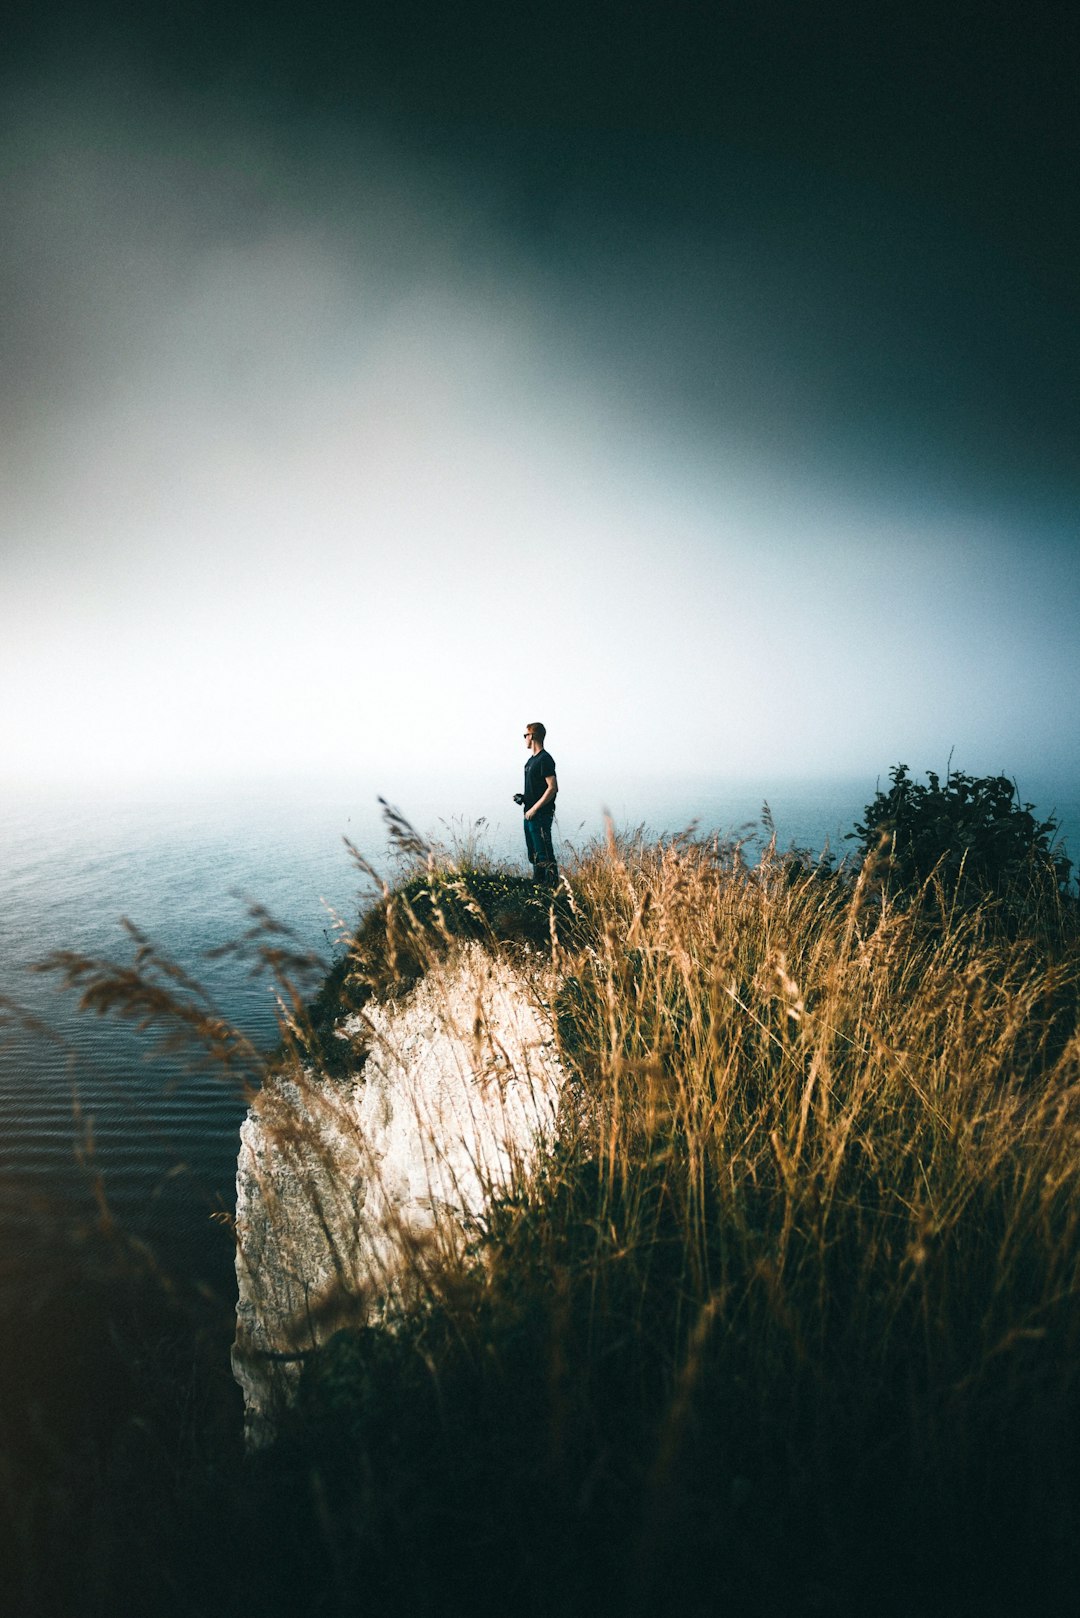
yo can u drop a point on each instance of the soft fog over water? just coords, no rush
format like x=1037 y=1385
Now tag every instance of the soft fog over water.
x=319 y=453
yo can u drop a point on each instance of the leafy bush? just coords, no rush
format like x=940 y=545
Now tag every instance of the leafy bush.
x=972 y=833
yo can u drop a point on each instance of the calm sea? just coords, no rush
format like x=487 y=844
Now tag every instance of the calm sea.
x=90 y=1109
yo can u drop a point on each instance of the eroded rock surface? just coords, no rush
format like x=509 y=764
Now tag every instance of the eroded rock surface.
x=346 y=1190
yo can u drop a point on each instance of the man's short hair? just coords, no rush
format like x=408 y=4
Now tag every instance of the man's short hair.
x=538 y=730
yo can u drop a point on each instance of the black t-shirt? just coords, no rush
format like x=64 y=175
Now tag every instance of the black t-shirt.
x=537 y=770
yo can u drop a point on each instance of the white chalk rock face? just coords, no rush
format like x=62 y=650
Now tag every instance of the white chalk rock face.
x=347 y=1189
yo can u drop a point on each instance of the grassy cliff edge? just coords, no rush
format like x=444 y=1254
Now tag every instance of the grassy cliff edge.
x=788 y=1321
x=785 y=1318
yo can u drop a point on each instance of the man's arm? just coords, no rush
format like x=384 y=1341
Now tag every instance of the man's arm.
x=551 y=787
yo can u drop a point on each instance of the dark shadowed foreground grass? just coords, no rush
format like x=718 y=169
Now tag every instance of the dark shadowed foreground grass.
x=787 y=1323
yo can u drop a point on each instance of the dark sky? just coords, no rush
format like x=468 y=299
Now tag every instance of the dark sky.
x=828 y=252
x=895 y=185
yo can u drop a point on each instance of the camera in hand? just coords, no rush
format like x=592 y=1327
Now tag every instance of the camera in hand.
x=519 y=797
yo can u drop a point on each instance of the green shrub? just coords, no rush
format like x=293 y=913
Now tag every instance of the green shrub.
x=972 y=835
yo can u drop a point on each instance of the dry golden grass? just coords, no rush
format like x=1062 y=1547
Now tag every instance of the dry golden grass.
x=829 y=1078
x=797 y=1297
x=823 y=1170
x=793 y=1306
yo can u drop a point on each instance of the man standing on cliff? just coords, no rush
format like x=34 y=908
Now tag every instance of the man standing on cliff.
x=538 y=801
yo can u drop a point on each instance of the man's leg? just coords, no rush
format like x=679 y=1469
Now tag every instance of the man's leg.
x=530 y=845
x=544 y=867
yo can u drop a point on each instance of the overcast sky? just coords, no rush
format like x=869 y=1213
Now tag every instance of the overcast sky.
x=700 y=379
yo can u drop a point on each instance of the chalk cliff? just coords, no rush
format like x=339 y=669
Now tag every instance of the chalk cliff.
x=346 y=1189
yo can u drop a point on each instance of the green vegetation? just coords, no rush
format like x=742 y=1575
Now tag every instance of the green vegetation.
x=973 y=838
x=445 y=902
x=788 y=1322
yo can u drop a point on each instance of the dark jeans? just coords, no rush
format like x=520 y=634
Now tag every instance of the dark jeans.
x=538 y=843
